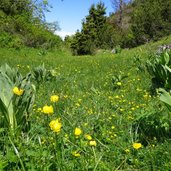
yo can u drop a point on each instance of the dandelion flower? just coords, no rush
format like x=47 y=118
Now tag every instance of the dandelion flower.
x=137 y=145
x=54 y=98
x=77 y=131
x=18 y=91
x=47 y=109
x=92 y=143
x=55 y=125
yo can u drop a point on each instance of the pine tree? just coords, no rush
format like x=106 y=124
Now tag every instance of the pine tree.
x=91 y=35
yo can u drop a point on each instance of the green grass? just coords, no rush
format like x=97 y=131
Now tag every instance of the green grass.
x=114 y=117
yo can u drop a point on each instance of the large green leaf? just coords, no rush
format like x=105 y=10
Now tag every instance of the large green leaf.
x=15 y=110
x=167 y=58
x=6 y=106
x=165 y=97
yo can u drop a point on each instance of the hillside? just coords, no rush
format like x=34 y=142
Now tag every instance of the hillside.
x=105 y=115
x=22 y=24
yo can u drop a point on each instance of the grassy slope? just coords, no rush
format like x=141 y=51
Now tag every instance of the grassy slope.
x=92 y=101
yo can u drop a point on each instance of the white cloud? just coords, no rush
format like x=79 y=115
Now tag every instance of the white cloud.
x=62 y=34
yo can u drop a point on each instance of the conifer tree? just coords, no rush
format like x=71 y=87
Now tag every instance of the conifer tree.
x=91 y=35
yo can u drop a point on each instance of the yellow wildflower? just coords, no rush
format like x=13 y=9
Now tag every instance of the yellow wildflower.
x=80 y=100
x=113 y=127
x=92 y=143
x=121 y=110
x=145 y=96
x=77 y=104
x=47 y=109
x=54 y=98
x=117 y=97
x=132 y=108
x=77 y=131
x=85 y=124
x=55 y=125
x=39 y=109
x=137 y=145
x=127 y=150
x=115 y=135
x=88 y=137
x=18 y=91
x=76 y=154
x=119 y=83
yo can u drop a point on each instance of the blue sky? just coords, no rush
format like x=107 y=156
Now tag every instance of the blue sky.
x=69 y=13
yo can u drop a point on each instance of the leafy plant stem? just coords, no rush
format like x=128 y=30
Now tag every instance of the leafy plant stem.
x=17 y=153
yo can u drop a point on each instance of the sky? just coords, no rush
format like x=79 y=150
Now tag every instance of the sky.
x=69 y=13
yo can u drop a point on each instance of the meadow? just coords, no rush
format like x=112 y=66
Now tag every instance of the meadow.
x=89 y=113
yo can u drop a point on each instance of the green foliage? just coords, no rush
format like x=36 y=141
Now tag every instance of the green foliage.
x=15 y=109
x=165 y=97
x=40 y=74
x=160 y=70
x=22 y=24
x=141 y=22
x=16 y=7
x=91 y=35
x=117 y=80
x=116 y=120
x=80 y=45
x=152 y=125
x=151 y=20
x=118 y=49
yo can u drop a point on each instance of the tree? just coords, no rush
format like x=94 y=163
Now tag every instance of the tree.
x=91 y=35
x=14 y=7
x=22 y=22
x=118 y=6
x=151 y=20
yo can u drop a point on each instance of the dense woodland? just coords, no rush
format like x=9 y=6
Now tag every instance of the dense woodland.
x=22 y=23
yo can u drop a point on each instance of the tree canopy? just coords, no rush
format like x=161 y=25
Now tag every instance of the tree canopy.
x=131 y=24
x=22 y=23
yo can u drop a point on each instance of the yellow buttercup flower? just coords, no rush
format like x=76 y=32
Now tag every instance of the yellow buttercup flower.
x=47 y=109
x=92 y=143
x=54 y=98
x=18 y=91
x=88 y=137
x=76 y=154
x=55 y=125
x=77 y=131
x=137 y=145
